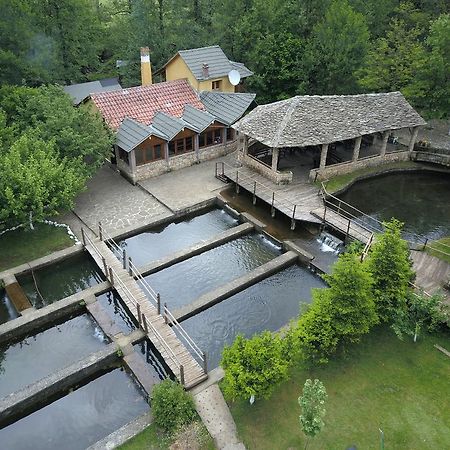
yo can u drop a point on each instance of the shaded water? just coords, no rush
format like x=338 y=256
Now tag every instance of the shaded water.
x=61 y=279
x=164 y=240
x=421 y=200
x=182 y=283
x=117 y=312
x=40 y=355
x=150 y=355
x=79 y=419
x=268 y=305
x=7 y=310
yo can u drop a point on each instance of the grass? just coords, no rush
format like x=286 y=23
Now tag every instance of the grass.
x=150 y=439
x=398 y=386
x=23 y=245
x=443 y=245
x=339 y=182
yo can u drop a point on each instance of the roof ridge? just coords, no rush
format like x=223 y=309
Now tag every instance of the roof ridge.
x=286 y=119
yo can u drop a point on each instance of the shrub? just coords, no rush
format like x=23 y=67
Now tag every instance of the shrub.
x=172 y=406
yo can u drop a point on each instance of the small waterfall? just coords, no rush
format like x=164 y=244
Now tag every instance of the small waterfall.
x=330 y=243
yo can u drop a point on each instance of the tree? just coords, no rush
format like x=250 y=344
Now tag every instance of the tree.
x=35 y=182
x=420 y=311
x=312 y=403
x=253 y=367
x=390 y=266
x=172 y=406
x=337 y=50
x=351 y=299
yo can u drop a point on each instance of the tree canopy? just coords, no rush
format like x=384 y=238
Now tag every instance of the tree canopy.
x=308 y=47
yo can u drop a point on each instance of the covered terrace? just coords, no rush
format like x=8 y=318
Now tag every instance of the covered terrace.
x=317 y=137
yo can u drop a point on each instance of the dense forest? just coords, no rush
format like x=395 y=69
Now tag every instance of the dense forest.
x=294 y=47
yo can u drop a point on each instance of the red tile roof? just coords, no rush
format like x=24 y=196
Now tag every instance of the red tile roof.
x=141 y=103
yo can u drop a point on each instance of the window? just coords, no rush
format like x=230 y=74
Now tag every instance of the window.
x=148 y=153
x=210 y=137
x=181 y=146
x=230 y=134
x=216 y=85
x=124 y=156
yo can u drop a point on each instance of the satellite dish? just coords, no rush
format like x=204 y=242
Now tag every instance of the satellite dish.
x=234 y=76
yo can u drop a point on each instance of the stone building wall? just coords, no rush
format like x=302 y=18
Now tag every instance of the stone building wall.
x=277 y=177
x=351 y=166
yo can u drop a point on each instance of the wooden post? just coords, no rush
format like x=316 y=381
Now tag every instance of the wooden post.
x=348 y=231
x=165 y=315
x=217 y=173
x=144 y=322
x=130 y=270
x=205 y=363
x=237 y=181
x=124 y=258
x=324 y=210
x=182 y=374
x=105 y=267
x=111 y=276
x=254 y=193
x=426 y=242
x=293 y=218
x=272 y=208
x=138 y=308
x=100 y=232
x=83 y=236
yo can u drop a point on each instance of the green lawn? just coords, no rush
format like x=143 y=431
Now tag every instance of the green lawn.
x=150 y=440
x=337 y=183
x=398 y=386
x=20 y=246
x=443 y=245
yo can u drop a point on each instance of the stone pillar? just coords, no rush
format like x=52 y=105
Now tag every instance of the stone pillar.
x=356 y=148
x=323 y=156
x=166 y=152
x=245 y=145
x=412 y=141
x=132 y=161
x=384 y=143
x=196 y=148
x=275 y=153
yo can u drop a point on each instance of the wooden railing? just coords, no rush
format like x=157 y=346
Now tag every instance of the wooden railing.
x=153 y=296
x=276 y=200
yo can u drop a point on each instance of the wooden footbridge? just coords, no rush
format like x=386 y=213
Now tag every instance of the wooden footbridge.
x=166 y=334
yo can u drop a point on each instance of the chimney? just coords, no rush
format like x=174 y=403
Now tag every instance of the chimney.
x=205 y=70
x=146 y=68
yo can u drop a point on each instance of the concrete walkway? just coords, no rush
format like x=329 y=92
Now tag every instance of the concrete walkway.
x=216 y=416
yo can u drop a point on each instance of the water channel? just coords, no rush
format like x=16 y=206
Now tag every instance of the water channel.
x=80 y=418
x=166 y=239
x=38 y=356
x=420 y=199
x=7 y=310
x=60 y=280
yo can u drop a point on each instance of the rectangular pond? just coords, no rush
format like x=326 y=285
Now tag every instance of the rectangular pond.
x=79 y=419
x=38 y=356
x=166 y=239
x=7 y=310
x=117 y=312
x=268 y=305
x=184 y=282
x=61 y=279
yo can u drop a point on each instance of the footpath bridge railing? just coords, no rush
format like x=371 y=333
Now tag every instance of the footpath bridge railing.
x=276 y=200
x=168 y=336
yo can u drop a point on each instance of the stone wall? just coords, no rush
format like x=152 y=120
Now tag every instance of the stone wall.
x=264 y=170
x=178 y=162
x=350 y=166
x=435 y=158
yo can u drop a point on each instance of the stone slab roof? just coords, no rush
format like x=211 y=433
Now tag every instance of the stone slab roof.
x=218 y=63
x=197 y=120
x=225 y=106
x=81 y=91
x=131 y=133
x=141 y=103
x=313 y=120
x=168 y=125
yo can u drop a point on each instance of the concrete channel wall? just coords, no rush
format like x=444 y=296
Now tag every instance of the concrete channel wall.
x=233 y=287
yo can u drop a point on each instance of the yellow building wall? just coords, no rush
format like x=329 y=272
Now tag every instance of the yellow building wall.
x=177 y=69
